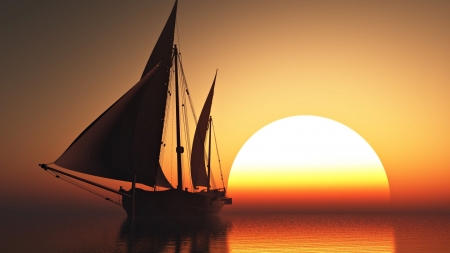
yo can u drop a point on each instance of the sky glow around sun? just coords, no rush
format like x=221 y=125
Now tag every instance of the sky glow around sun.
x=311 y=156
x=381 y=69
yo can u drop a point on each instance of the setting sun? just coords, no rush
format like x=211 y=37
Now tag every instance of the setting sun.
x=309 y=162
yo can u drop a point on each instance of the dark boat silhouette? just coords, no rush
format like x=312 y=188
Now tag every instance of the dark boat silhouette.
x=125 y=142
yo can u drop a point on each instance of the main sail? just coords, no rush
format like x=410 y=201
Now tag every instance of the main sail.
x=198 y=169
x=126 y=139
x=164 y=45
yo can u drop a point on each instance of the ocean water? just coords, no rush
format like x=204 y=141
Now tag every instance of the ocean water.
x=44 y=232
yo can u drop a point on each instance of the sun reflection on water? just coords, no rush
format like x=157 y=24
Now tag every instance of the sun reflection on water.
x=311 y=233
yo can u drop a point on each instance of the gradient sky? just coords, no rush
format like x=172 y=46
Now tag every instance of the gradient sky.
x=378 y=67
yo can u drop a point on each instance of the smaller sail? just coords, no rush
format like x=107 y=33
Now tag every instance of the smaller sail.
x=198 y=168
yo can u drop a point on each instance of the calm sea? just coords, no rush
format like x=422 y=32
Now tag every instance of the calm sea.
x=225 y=233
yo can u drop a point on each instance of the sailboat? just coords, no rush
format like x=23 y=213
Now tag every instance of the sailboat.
x=126 y=141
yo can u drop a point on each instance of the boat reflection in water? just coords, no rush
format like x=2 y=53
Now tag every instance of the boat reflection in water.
x=174 y=234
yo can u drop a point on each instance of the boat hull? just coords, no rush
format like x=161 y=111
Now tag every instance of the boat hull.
x=174 y=203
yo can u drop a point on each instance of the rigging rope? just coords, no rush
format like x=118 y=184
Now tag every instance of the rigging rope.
x=71 y=181
x=178 y=35
x=217 y=150
x=187 y=92
x=184 y=86
x=186 y=128
x=167 y=111
x=172 y=142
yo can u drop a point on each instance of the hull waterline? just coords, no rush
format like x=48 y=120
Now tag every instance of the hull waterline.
x=175 y=203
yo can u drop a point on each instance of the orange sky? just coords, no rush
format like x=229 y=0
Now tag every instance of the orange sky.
x=378 y=67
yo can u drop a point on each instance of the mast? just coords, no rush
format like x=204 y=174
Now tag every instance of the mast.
x=179 y=148
x=209 y=156
x=133 y=187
